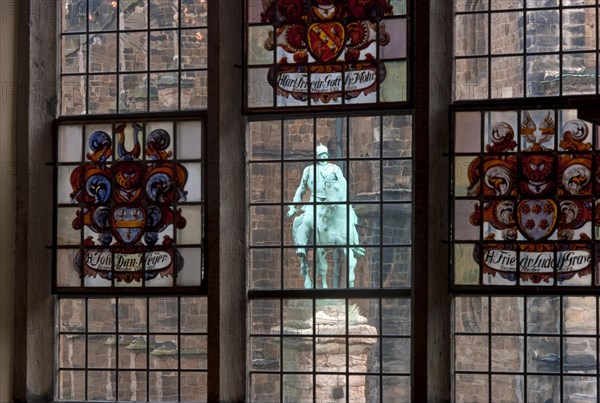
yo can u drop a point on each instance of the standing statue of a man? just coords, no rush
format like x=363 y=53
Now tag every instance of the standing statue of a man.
x=318 y=178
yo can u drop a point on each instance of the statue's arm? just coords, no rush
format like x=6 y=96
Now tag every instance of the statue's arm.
x=299 y=192
x=340 y=177
x=343 y=186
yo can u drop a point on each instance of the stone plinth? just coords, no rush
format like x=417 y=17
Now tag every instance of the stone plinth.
x=333 y=357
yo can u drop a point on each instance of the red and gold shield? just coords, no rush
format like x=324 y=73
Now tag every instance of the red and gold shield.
x=326 y=40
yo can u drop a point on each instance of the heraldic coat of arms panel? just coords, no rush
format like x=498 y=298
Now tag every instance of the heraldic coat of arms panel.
x=303 y=53
x=526 y=197
x=129 y=205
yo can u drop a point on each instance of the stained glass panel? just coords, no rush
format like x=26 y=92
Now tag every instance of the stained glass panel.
x=524 y=202
x=322 y=53
x=129 y=205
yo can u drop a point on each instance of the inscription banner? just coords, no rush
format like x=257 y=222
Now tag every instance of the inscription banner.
x=325 y=86
x=129 y=264
x=536 y=267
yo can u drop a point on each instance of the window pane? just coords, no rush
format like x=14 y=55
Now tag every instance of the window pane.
x=507 y=77
x=471 y=76
x=473 y=40
x=507 y=31
x=134 y=46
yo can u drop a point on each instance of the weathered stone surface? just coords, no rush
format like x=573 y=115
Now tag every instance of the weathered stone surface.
x=333 y=353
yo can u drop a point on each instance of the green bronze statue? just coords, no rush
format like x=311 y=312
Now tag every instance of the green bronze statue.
x=335 y=225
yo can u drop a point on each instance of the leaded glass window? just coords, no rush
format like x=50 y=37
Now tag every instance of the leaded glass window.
x=132 y=349
x=358 y=197
x=129 y=201
x=133 y=56
x=330 y=220
x=347 y=350
x=330 y=202
x=302 y=53
x=526 y=348
x=129 y=205
x=524 y=202
x=525 y=48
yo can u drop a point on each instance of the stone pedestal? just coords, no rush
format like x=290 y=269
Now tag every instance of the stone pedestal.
x=333 y=357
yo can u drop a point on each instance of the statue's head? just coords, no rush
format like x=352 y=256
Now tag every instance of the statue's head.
x=322 y=154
